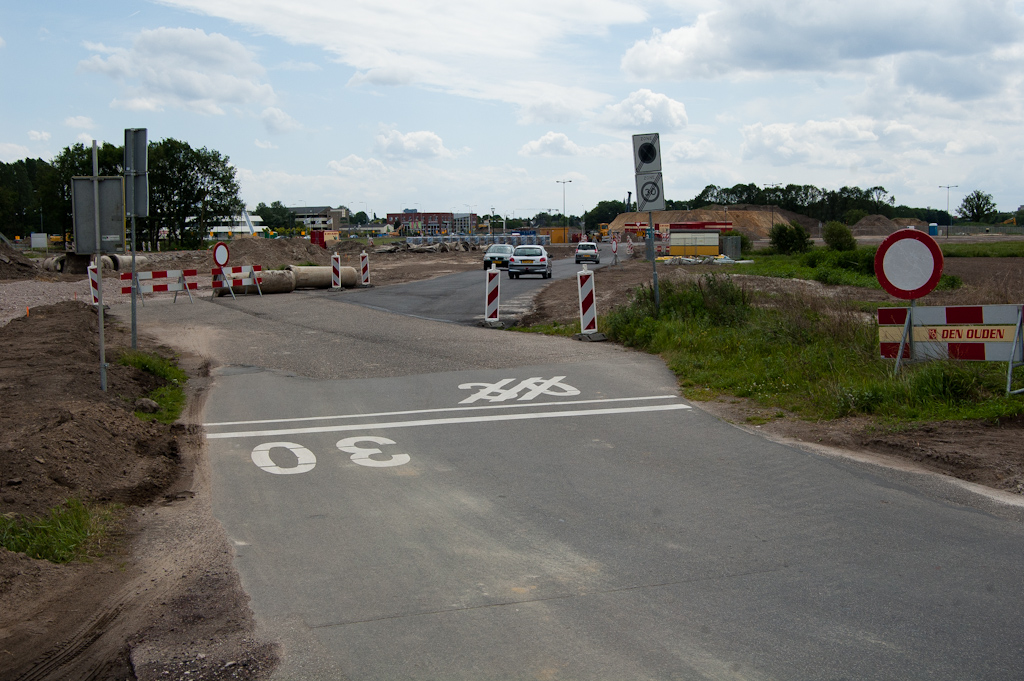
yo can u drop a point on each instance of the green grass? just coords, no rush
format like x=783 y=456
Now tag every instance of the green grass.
x=70 y=532
x=171 y=395
x=996 y=249
x=816 y=358
x=805 y=266
x=553 y=329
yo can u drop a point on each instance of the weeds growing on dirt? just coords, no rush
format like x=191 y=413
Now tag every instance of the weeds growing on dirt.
x=69 y=532
x=815 y=356
x=996 y=249
x=171 y=395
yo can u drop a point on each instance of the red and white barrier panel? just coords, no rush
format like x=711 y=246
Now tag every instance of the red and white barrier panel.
x=243 y=275
x=94 y=284
x=588 y=307
x=364 y=269
x=493 y=294
x=158 y=281
x=335 y=272
x=983 y=333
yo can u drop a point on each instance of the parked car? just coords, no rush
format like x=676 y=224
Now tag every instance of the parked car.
x=529 y=260
x=587 y=251
x=497 y=254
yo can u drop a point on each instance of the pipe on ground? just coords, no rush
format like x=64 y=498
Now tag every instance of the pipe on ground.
x=273 y=281
x=320 y=277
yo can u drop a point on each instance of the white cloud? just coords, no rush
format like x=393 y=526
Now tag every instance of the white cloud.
x=277 y=121
x=701 y=151
x=12 y=152
x=84 y=138
x=646 y=109
x=297 y=66
x=265 y=145
x=37 y=136
x=353 y=166
x=935 y=41
x=551 y=144
x=2 y=43
x=181 y=68
x=972 y=142
x=464 y=47
x=83 y=122
x=419 y=144
x=829 y=143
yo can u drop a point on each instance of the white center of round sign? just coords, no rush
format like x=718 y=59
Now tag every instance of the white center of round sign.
x=221 y=254
x=908 y=264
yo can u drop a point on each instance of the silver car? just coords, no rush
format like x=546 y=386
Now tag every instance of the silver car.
x=587 y=251
x=529 y=260
x=498 y=254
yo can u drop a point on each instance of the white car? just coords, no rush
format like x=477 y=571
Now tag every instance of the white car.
x=529 y=260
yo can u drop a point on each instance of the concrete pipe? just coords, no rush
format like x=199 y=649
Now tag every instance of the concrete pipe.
x=54 y=264
x=320 y=277
x=273 y=281
x=123 y=263
x=107 y=263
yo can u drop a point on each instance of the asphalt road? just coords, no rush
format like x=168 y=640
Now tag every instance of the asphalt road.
x=459 y=298
x=418 y=500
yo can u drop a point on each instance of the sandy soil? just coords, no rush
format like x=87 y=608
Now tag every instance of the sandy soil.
x=163 y=600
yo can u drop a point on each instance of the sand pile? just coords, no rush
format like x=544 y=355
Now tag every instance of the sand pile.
x=13 y=265
x=874 y=225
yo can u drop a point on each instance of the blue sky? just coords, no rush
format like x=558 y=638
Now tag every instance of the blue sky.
x=472 y=104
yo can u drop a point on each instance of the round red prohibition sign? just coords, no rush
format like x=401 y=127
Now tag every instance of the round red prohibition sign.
x=908 y=264
x=221 y=254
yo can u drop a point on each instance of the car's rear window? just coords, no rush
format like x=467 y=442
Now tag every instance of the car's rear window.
x=523 y=250
x=586 y=247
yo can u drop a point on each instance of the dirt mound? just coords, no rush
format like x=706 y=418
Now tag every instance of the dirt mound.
x=902 y=223
x=13 y=265
x=60 y=435
x=754 y=221
x=273 y=253
x=874 y=225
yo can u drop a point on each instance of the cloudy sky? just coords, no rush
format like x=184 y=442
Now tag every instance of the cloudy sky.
x=475 y=104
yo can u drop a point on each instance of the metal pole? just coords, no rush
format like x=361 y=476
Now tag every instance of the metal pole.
x=99 y=260
x=654 y=262
x=947 y=187
x=130 y=154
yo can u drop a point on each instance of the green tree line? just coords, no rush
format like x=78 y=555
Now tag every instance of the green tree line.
x=189 y=190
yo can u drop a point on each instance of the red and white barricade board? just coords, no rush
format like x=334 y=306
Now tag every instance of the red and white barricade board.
x=986 y=333
x=242 y=275
x=335 y=272
x=94 y=284
x=588 y=306
x=492 y=296
x=159 y=281
x=364 y=269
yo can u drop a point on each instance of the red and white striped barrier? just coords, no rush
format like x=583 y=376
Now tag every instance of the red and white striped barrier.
x=335 y=272
x=94 y=284
x=493 y=294
x=364 y=269
x=983 y=333
x=243 y=275
x=588 y=307
x=144 y=282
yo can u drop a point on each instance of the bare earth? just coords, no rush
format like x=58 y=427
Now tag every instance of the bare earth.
x=164 y=601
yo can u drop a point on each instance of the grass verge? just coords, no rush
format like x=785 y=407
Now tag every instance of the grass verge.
x=816 y=357
x=74 y=531
x=171 y=395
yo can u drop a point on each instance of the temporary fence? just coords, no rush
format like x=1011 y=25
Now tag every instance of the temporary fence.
x=159 y=281
x=481 y=240
x=243 y=275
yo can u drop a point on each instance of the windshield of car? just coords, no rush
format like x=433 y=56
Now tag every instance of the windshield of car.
x=528 y=250
x=499 y=248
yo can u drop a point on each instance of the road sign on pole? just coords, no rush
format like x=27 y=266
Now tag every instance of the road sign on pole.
x=110 y=212
x=647 y=153
x=650 y=192
x=136 y=173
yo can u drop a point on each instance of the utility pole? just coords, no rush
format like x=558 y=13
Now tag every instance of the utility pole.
x=947 y=187
x=563 y=183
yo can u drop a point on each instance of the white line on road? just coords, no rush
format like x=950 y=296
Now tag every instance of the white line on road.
x=436 y=411
x=450 y=421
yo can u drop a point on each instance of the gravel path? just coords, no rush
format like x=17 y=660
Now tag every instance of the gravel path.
x=15 y=296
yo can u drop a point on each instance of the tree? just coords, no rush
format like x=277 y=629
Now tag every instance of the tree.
x=189 y=190
x=276 y=216
x=976 y=206
x=789 y=239
x=603 y=212
x=360 y=218
x=853 y=216
x=838 y=237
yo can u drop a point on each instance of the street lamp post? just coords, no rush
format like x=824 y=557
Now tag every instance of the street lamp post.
x=565 y=238
x=947 y=187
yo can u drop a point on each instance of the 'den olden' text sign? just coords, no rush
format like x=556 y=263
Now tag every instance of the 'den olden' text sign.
x=971 y=332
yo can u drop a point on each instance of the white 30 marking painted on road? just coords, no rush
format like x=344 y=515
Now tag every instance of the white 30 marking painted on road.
x=261 y=457
x=450 y=421
x=438 y=411
x=361 y=455
x=495 y=392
